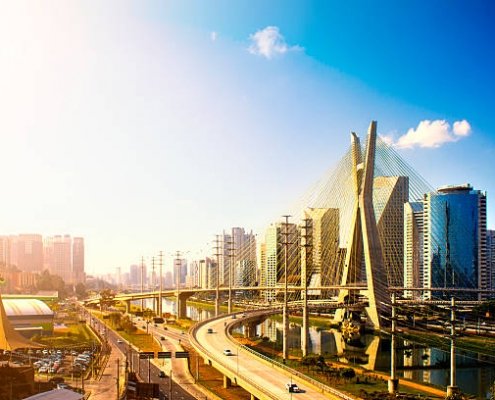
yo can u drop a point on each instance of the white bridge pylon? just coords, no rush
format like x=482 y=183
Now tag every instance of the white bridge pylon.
x=364 y=242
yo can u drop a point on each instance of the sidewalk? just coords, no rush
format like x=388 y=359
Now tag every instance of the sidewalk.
x=106 y=387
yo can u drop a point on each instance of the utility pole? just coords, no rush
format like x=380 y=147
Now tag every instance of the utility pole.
x=153 y=281
x=393 y=383
x=231 y=261
x=217 y=293
x=285 y=350
x=142 y=283
x=160 y=311
x=452 y=389
x=118 y=382
x=306 y=262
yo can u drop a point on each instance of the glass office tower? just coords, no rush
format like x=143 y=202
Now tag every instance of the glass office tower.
x=455 y=242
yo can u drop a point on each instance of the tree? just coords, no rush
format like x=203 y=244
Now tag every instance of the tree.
x=46 y=281
x=106 y=299
x=80 y=291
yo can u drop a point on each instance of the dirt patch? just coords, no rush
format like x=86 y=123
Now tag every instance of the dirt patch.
x=212 y=380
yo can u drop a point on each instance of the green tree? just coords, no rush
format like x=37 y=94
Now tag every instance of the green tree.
x=107 y=299
x=80 y=291
x=46 y=281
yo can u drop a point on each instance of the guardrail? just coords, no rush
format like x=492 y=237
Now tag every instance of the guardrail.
x=205 y=351
x=320 y=386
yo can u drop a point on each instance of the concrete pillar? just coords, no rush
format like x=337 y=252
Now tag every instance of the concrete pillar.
x=158 y=308
x=249 y=329
x=181 y=305
x=217 y=306
x=227 y=382
x=253 y=397
x=128 y=306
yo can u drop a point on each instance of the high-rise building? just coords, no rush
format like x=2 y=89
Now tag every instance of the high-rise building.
x=237 y=248
x=78 y=274
x=30 y=253
x=390 y=193
x=490 y=260
x=413 y=248
x=134 y=276
x=4 y=250
x=280 y=237
x=58 y=256
x=323 y=232
x=455 y=241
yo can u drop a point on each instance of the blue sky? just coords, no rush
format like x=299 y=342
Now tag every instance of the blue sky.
x=152 y=126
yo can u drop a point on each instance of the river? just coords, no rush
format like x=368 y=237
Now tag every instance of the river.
x=475 y=373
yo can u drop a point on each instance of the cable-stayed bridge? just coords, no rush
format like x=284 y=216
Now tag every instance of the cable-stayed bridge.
x=352 y=237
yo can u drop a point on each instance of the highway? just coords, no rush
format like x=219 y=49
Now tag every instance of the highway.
x=176 y=384
x=262 y=378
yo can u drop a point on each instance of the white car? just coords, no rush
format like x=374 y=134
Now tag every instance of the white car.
x=227 y=353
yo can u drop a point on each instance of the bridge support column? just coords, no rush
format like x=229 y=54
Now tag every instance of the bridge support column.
x=217 y=306
x=181 y=305
x=128 y=306
x=249 y=329
x=158 y=307
x=227 y=382
x=253 y=397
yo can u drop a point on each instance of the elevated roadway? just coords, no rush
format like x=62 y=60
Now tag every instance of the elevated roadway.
x=263 y=378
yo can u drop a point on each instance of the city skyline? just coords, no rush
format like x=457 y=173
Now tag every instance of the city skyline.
x=148 y=127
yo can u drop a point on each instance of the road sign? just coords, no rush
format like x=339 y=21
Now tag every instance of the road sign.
x=164 y=354
x=146 y=354
x=181 y=354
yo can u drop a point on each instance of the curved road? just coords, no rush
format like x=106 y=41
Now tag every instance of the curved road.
x=211 y=339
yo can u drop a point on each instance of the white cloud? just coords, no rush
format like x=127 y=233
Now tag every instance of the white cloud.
x=213 y=36
x=269 y=42
x=433 y=134
x=462 y=128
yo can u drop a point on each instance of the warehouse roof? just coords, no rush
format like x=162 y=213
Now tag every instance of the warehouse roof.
x=26 y=307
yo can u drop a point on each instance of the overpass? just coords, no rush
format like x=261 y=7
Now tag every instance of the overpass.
x=260 y=376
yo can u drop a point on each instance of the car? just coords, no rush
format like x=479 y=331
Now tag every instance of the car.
x=292 y=387
x=62 y=385
x=227 y=353
x=162 y=338
x=182 y=332
x=210 y=330
x=120 y=341
x=161 y=374
x=234 y=316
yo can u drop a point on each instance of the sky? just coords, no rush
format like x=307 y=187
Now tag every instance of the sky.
x=151 y=126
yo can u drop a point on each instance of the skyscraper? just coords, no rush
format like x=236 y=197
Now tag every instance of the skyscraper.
x=324 y=239
x=273 y=270
x=30 y=253
x=490 y=259
x=455 y=241
x=78 y=275
x=390 y=193
x=413 y=247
